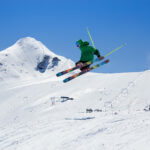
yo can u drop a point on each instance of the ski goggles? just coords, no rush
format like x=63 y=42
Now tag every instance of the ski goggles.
x=77 y=44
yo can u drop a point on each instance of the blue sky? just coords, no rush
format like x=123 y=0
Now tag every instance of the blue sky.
x=59 y=23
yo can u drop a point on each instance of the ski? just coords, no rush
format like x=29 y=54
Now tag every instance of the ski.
x=83 y=72
x=77 y=67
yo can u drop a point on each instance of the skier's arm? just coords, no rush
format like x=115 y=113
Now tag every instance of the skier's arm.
x=97 y=53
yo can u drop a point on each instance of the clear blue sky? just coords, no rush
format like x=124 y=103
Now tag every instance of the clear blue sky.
x=59 y=23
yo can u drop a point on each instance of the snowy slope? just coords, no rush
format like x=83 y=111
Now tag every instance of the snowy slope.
x=92 y=112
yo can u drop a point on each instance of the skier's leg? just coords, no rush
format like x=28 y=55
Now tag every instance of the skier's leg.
x=85 y=68
x=79 y=63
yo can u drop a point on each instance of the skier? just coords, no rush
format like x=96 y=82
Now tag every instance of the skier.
x=87 y=54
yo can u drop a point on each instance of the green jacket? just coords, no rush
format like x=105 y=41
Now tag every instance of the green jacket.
x=87 y=52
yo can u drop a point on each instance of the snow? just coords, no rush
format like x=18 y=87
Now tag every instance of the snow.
x=34 y=114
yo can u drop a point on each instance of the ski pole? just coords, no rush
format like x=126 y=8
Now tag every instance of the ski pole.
x=109 y=52
x=90 y=37
x=115 y=49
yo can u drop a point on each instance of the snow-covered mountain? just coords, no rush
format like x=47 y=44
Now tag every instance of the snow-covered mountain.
x=93 y=112
x=29 y=58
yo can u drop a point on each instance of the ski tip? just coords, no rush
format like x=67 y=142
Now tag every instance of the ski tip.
x=66 y=80
x=106 y=61
x=58 y=74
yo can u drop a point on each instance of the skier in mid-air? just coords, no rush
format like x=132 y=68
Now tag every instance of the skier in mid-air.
x=86 y=59
x=87 y=54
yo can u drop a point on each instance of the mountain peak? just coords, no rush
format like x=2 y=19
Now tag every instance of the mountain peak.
x=27 y=40
x=27 y=57
x=30 y=44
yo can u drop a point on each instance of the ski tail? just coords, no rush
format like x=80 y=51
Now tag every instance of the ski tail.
x=83 y=72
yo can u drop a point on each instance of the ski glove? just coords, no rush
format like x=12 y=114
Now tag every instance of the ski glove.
x=97 y=53
x=101 y=57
